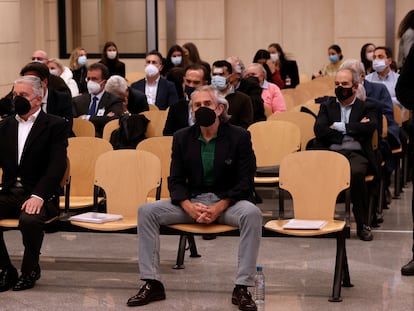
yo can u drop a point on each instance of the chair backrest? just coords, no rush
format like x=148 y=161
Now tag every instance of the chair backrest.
x=304 y=120
x=272 y=140
x=126 y=177
x=82 y=128
x=109 y=128
x=314 y=178
x=82 y=154
x=160 y=146
x=153 y=107
x=157 y=122
x=132 y=77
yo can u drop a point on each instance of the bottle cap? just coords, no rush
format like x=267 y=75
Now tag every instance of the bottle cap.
x=259 y=268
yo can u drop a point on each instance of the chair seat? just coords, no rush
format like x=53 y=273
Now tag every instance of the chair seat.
x=124 y=224
x=330 y=227
x=266 y=180
x=396 y=151
x=76 y=202
x=203 y=228
x=14 y=223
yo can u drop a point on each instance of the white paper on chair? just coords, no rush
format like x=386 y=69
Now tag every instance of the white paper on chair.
x=304 y=224
x=95 y=217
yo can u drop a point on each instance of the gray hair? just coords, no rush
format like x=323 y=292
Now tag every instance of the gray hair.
x=354 y=64
x=355 y=76
x=215 y=94
x=116 y=85
x=35 y=82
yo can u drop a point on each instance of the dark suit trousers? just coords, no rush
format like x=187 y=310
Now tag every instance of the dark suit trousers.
x=31 y=227
x=359 y=191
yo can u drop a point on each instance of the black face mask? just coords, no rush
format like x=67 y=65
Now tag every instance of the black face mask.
x=21 y=105
x=205 y=116
x=189 y=90
x=343 y=93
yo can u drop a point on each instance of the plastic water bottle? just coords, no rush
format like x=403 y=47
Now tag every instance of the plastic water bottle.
x=259 y=289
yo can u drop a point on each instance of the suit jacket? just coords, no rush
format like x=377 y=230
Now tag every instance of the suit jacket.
x=166 y=92
x=43 y=161
x=137 y=101
x=177 y=117
x=60 y=104
x=362 y=132
x=109 y=102
x=234 y=165
x=378 y=93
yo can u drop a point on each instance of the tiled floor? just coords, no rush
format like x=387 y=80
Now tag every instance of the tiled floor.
x=98 y=271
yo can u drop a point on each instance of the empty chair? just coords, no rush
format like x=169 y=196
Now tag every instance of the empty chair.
x=83 y=128
x=314 y=179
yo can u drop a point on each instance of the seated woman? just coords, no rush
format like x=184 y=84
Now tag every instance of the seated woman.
x=110 y=58
x=174 y=68
x=77 y=63
x=288 y=69
x=56 y=68
x=367 y=55
x=262 y=57
x=335 y=61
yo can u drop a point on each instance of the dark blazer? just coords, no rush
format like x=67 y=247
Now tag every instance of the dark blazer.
x=110 y=102
x=137 y=101
x=166 y=92
x=234 y=165
x=330 y=112
x=380 y=94
x=289 y=68
x=177 y=117
x=60 y=104
x=43 y=161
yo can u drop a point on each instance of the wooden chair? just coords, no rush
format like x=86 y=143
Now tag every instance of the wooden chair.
x=309 y=107
x=272 y=141
x=304 y=120
x=314 y=179
x=400 y=155
x=126 y=176
x=83 y=153
x=157 y=122
x=303 y=77
x=153 y=107
x=109 y=128
x=162 y=147
x=83 y=128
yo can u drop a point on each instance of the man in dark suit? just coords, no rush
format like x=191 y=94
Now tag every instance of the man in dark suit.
x=211 y=180
x=345 y=124
x=179 y=115
x=97 y=106
x=134 y=101
x=159 y=91
x=33 y=158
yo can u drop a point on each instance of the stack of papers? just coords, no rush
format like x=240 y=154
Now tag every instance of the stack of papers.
x=95 y=217
x=304 y=224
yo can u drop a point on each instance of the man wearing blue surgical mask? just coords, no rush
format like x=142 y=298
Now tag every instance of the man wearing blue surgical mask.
x=383 y=73
x=240 y=105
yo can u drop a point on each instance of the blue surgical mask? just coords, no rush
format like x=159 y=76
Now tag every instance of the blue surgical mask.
x=379 y=65
x=333 y=58
x=219 y=82
x=176 y=60
x=82 y=60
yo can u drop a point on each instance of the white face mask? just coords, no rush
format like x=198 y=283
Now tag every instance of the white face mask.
x=82 y=60
x=54 y=72
x=176 y=60
x=111 y=54
x=379 y=65
x=274 y=57
x=151 y=70
x=370 y=56
x=93 y=87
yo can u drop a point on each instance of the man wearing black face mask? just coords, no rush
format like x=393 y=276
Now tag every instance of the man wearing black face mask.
x=33 y=158
x=345 y=124
x=211 y=180
x=179 y=115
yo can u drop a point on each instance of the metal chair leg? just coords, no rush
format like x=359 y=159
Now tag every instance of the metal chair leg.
x=339 y=267
x=193 y=247
x=179 y=264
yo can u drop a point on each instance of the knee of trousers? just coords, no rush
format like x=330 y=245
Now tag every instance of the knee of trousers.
x=146 y=210
x=31 y=221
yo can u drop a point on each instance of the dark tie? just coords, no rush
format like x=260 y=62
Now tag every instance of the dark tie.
x=92 y=108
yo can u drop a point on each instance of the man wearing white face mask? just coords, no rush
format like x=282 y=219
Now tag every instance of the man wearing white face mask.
x=240 y=105
x=383 y=73
x=159 y=91
x=97 y=106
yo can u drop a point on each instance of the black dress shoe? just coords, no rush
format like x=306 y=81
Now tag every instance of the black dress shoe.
x=8 y=278
x=149 y=292
x=242 y=297
x=27 y=281
x=408 y=269
x=365 y=234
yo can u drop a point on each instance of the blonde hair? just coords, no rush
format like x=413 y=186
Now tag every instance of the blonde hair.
x=73 y=59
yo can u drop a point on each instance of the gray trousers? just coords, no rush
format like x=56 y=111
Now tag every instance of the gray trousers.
x=243 y=214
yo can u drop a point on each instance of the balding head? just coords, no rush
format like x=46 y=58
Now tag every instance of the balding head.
x=40 y=56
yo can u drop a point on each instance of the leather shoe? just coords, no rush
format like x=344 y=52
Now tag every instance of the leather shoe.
x=149 y=292
x=242 y=297
x=408 y=269
x=8 y=278
x=365 y=234
x=27 y=281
